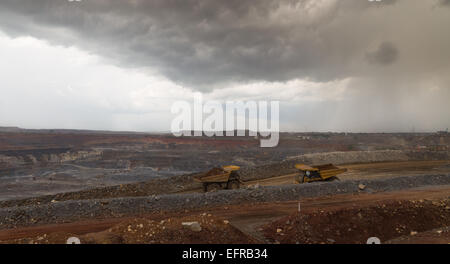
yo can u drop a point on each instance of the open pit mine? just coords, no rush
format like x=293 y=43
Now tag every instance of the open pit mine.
x=60 y=186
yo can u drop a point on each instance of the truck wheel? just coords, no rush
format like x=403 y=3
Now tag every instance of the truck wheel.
x=334 y=178
x=213 y=187
x=300 y=178
x=233 y=185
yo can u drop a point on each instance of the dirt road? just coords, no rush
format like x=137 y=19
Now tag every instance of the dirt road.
x=373 y=171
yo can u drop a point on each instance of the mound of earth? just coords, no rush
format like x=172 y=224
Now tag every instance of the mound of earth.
x=356 y=225
x=53 y=238
x=439 y=236
x=144 y=231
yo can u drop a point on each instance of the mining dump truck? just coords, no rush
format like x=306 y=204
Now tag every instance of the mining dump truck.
x=326 y=172
x=223 y=178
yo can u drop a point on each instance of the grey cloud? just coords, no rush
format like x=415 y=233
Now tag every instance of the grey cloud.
x=385 y=54
x=444 y=2
x=200 y=42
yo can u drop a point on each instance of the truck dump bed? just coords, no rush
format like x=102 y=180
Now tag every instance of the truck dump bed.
x=329 y=170
x=214 y=175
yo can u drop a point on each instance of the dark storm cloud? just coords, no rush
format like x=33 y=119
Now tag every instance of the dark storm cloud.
x=203 y=42
x=386 y=54
x=444 y=2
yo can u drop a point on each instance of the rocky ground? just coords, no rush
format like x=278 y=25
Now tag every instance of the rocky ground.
x=199 y=229
x=436 y=236
x=414 y=216
x=61 y=212
x=350 y=226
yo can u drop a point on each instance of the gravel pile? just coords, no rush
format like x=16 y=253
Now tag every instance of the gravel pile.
x=67 y=211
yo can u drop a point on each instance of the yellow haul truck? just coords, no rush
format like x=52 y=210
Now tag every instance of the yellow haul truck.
x=223 y=178
x=326 y=172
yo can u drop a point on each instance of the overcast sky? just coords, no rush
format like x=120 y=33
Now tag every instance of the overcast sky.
x=335 y=65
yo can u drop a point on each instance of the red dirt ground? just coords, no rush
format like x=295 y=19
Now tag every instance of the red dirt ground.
x=21 y=141
x=437 y=236
x=146 y=231
x=355 y=225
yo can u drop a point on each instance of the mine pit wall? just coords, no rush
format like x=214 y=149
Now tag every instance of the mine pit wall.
x=34 y=157
x=186 y=182
x=70 y=211
x=11 y=161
